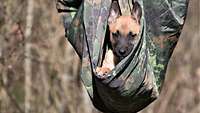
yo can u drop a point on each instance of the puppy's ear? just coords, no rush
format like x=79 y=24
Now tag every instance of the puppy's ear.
x=114 y=12
x=136 y=11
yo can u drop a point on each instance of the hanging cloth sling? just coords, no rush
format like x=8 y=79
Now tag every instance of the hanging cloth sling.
x=137 y=80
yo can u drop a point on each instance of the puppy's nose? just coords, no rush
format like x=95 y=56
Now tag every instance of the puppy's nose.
x=122 y=51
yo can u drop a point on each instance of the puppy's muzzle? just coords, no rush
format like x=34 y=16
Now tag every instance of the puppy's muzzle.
x=122 y=51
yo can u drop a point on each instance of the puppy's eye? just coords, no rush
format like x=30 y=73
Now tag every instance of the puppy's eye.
x=115 y=34
x=130 y=34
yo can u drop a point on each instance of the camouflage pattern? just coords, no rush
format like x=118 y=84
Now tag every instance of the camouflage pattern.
x=137 y=80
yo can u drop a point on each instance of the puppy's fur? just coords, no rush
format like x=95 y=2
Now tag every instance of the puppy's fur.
x=124 y=32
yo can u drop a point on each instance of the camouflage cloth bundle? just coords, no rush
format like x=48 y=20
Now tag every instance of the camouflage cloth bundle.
x=137 y=80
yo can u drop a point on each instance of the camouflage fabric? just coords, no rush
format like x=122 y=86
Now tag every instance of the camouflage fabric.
x=137 y=80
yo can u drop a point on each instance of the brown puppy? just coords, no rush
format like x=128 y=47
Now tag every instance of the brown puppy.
x=124 y=32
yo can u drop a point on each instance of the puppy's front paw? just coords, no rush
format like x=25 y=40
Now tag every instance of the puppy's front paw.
x=102 y=71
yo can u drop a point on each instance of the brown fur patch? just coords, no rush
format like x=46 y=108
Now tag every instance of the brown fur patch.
x=125 y=24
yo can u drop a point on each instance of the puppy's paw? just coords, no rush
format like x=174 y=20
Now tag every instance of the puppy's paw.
x=102 y=71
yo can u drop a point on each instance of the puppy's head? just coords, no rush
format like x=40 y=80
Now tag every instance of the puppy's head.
x=124 y=30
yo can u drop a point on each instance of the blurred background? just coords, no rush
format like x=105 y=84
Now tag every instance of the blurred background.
x=39 y=70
